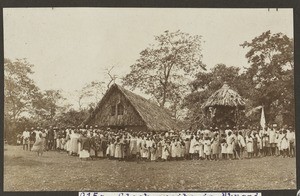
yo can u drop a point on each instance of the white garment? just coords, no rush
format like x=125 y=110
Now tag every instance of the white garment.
x=249 y=141
x=223 y=148
x=149 y=143
x=201 y=148
x=192 y=148
x=25 y=134
x=261 y=133
x=272 y=136
x=84 y=154
x=191 y=151
x=37 y=134
x=207 y=147
x=284 y=143
x=165 y=151
x=280 y=136
x=290 y=136
x=227 y=131
x=241 y=141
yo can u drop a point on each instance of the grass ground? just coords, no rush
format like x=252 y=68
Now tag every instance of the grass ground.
x=54 y=171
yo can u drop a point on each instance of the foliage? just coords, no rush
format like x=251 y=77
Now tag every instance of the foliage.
x=71 y=117
x=205 y=84
x=163 y=68
x=271 y=58
x=19 y=88
x=90 y=94
x=46 y=106
x=268 y=82
x=25 y=104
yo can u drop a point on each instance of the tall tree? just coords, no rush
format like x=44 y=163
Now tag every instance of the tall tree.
x=19 y=88
x=163 y=68
x=46 y=105
x=271 y=58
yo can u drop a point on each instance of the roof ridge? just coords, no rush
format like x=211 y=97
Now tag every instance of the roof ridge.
x=153 y=116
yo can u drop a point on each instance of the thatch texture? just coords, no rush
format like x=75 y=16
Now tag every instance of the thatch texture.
x=154 y=117
x=225 y=97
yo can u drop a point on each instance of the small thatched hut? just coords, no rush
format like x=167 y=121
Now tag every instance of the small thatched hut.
x=224 y=105
x=120 y=109
x=225 y=97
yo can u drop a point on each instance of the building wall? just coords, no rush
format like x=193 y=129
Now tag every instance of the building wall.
x=130 y=118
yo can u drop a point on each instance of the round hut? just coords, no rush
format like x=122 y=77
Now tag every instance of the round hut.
x=223 y=106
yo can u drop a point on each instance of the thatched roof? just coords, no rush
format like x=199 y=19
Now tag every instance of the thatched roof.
x=155 y=117
x=225 y=97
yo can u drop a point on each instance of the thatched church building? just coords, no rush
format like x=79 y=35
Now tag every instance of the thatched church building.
x=120 y=109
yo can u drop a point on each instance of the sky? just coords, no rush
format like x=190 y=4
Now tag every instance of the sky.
x=71 y=47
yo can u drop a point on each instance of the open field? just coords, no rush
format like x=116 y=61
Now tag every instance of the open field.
x=25 y=171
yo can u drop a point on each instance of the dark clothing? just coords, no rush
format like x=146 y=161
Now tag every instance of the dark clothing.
x=51 y=135
x=85 y=143
x=32 y=137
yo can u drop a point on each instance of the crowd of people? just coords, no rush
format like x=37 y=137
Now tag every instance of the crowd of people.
x=208 y=144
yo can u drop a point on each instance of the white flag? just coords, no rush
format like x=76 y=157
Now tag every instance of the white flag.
x=262 y=118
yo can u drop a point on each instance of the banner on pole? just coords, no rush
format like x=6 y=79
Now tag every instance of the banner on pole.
x=262 y=118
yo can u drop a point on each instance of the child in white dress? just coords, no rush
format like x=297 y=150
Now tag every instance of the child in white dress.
x=192 y=148
x=165 y=150
x=153 y=151
x=201 y=147
x=249 y=141
x=207 y=148
x=284 y=144
x=230 y=143
x=196 y=148
x=173 y=149
x=224 y=148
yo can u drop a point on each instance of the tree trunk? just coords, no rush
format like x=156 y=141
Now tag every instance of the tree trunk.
x=164 y=97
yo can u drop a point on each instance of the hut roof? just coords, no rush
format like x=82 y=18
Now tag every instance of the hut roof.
x=155 y=117
x=225 y=97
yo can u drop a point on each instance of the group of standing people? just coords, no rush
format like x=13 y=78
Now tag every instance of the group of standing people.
x=208 y=144
x=33 y=140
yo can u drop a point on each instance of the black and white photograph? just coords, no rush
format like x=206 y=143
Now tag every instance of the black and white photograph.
x=149 y=99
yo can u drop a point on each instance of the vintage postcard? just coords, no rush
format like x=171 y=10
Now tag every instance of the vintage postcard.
x=149 y=99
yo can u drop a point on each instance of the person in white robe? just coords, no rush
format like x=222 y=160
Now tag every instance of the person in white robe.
x=192 y=148
x=249 y=144
x=224 y=148
x=272 y=139
x=173 y=148
x=196 y=148
x=207 y=148
x=230 y=143
x=201 y=147
x=74 y=143
x=153 y=149
x=165 y=150
x=291 y=138
x=25 y=139
x=242 y=144
x=284 y=144
x=133 y=146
